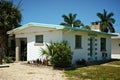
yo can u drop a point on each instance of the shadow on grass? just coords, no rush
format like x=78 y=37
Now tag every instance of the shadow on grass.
x=102 y=62
x=92 y=63
x=65 y=68
x=4 y=66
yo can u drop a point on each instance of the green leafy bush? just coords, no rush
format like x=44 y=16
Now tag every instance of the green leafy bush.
x=8 y=60
x=60 y=54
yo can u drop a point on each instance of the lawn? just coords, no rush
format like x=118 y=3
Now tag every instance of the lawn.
x=115 y=62
x=95 y=72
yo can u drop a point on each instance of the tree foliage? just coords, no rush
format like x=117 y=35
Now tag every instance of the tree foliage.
x=86 y=27
x=71 y=21
x=10 y=17
x=106 y=21
x=60 y=54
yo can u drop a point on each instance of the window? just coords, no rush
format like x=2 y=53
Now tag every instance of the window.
x=78 y=41
x=39 y=38
x=103 y=44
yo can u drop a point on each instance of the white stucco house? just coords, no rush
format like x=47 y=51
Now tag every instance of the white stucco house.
x=116 y=46
x=85 y=44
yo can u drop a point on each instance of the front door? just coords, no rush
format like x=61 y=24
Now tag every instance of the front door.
x=92 y=48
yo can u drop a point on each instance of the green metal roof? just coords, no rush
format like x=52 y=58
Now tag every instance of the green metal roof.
x=34 y=25
x=116 y=37
x=39 y=25
x=56 y=27
x=89 y=31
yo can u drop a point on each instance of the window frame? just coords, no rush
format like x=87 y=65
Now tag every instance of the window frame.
x=38 y=37
x=103 y=44
x=78 y=42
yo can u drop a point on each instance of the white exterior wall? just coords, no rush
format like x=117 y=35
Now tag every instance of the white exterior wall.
x=77 y=53
x=49 y=34
x=108 y=47
x=84 y=52
x=33 y=51
x=116 y=46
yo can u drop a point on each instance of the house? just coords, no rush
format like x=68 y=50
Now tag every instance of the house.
x=85 y=44
x=116 y=46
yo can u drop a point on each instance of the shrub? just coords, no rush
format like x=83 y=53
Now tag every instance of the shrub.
x=8 y=60
x=60 y=53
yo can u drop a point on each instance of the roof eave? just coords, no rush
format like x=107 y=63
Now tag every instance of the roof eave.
x=36 y=25
x=55 y=27
x=90 y=31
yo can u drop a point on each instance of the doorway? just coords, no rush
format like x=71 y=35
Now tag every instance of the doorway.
x=23 y=55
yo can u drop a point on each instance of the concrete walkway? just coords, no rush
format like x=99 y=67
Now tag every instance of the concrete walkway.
x=112 y=65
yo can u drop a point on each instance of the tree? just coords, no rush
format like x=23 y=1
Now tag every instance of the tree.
x=86 y=27
x=106 y=21
x=71 y=21
x=10 y=17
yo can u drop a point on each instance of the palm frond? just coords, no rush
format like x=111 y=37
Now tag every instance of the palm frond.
x=112 y=30
x=111 y=20
x=105 y=13
x=110 y=15
x=70 y=20
x=106 y=21
x=66 y=19
x=65 y=24
x=74 y=16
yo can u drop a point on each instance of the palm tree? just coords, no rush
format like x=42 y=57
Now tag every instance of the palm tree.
x=71 y=21
x=10 y=17
x=106 y=21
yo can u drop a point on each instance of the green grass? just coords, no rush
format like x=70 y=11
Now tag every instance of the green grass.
x=115 y=62
x=95 y=72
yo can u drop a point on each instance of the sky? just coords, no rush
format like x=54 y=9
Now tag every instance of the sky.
x=51 y=11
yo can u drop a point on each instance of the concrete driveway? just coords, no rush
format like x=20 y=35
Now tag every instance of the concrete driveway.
x=115 y=56
x=20 y=71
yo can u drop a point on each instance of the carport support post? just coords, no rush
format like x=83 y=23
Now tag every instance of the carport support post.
x=0 y=58
x=17 y=49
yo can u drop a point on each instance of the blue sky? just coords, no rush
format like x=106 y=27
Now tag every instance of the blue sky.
x=50 y=11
